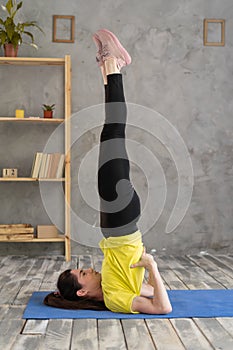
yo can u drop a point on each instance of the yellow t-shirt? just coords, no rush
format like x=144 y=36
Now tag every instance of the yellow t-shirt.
x=120 y=283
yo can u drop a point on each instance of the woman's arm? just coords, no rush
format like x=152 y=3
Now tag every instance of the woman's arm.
x=147 y=290
x=160 y=303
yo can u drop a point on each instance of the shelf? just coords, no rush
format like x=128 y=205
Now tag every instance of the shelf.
x=60 y=238
x=32 y=61
x=25 y=179
x=31 y=120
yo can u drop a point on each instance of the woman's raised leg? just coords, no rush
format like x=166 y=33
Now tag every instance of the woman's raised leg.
x=119 y=202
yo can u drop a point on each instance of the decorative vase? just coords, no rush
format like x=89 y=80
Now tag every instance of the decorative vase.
x=10 y=51
x=48 y=114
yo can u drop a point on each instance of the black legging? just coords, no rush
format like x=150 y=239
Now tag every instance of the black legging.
x=119 y=202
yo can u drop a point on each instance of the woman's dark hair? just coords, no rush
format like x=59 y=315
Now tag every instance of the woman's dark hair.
x=68 y=285
x=67 y=297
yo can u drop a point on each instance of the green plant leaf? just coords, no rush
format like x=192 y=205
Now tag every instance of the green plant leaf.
x=16 y=39
x=19 y=5
x=3 y=37
x=16 y=10
x=34 y=45
x=19 y=28
x=33 y=24
x=48 y=107
x=9 y=6
x=10 y=27
x=2 y=22
x=29 y=34
x=40 y=29
x=3 y=7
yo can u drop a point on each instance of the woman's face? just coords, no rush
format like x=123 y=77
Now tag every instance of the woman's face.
x=89 y=279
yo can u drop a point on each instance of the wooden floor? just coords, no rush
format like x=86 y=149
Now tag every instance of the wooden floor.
x=20 y=276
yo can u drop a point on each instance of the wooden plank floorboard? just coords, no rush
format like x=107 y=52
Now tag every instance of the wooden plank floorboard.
x=10 y=328
x=218 y=337
x=58 y=335
x=137 y=335
x=27 y=342
x=84 y=334
x=228 y=270
x=206 y=280
x=3 y=259
x=227 y=324
x=54 y=268
x=39 y=268
x=84 y=262
x=190 y=274
x=227 y=259
x=8 y=270
x=97 y=262
x=11 y=325
x=222 y=280
x=16 y=279
x=190 y=335
x=3 y=311
x=26 y=291
x=14 y=312
x=164 y=335
x=111 y=335
x=35 y=327
x=172 y=280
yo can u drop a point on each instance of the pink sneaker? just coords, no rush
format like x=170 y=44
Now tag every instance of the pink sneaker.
x=111 y=47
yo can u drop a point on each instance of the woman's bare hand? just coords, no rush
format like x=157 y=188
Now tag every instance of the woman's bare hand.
x=146 y=261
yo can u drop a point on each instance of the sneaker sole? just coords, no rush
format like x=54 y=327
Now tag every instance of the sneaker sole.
x=119 y=46
x=98 y=46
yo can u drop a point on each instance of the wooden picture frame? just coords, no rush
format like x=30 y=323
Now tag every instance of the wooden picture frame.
x=214 y=43
x=56 y=19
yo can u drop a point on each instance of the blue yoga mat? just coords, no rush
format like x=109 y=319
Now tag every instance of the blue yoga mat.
x=185 y=303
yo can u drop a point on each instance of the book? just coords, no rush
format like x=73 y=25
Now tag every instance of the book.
x=60 y=168
x=47 y=165
x=33 y=164
x=54 y=165
x=43 y=164
x=36 y=165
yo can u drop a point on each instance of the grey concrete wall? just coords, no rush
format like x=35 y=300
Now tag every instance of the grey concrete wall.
x=172 y=73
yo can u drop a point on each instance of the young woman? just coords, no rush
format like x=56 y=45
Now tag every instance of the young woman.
x=120 y=286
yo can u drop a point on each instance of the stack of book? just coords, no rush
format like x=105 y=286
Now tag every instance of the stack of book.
x=16 y=232
x=48 y=165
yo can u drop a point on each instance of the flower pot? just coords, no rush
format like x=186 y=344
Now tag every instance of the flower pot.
x=48 y=114
x=10 y=51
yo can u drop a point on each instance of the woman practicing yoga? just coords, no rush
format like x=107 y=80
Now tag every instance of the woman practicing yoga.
x=120 y=286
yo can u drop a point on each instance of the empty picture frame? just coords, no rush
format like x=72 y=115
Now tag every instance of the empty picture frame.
x=63 y=29
x=214 y=32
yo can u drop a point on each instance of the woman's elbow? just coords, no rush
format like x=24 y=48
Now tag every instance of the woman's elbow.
x=164 y=310
x=167 y=310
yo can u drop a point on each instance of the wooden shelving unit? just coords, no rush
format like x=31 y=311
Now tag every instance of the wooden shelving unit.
x=66 y=63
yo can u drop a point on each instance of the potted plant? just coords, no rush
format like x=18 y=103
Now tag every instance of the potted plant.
x=48 y=110
x=11 y=33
